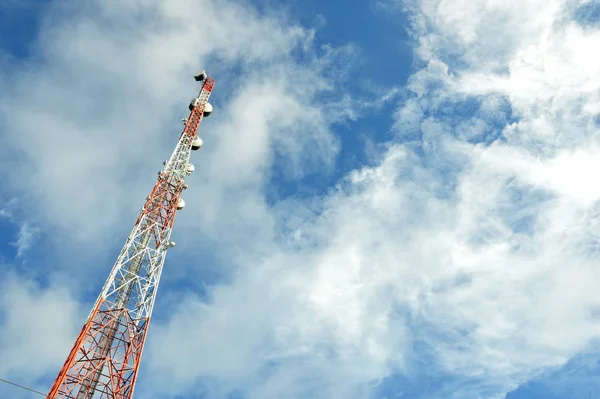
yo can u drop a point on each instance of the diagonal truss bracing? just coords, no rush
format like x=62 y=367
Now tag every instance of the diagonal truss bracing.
x=105 y=359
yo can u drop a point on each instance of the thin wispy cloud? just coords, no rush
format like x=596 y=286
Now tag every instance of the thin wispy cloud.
x=25 y=238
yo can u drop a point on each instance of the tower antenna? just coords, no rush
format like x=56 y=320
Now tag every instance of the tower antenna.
x=105 y=359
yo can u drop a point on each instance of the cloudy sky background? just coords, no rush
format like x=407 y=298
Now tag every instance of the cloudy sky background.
x=396 y=199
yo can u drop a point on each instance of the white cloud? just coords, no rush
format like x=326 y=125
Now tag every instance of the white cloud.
x=322 y=315
x=7 y=208
x=484 y=33
x=25 y=238
x=26 y=234
x=569 y=174
x=521 y=224
x=39 y=325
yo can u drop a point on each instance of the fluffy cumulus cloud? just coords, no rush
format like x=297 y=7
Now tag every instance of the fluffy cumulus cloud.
x=507 y=99
x=37 y=326
x=461 y=263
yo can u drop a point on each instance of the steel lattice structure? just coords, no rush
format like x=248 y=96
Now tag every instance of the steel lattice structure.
x=105 y=359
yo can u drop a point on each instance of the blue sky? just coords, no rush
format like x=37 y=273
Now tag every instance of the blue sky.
x=396 y=199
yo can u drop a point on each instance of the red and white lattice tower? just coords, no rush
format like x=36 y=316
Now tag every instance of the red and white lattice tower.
x=105 y=359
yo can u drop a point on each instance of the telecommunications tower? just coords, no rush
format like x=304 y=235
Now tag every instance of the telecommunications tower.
x=105 y=358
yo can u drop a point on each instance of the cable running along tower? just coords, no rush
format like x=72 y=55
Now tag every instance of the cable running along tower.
x=105 y=358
